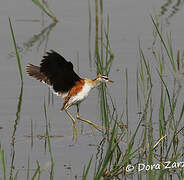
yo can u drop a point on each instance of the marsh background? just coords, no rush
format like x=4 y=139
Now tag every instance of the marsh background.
x=147 y=95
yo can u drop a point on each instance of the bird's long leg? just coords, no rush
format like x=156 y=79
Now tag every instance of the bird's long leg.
x=98 y=127
x=74 y=124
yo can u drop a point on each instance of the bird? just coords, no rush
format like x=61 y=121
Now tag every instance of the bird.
x=58 y=73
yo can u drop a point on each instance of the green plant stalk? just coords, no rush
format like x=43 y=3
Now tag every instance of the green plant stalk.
x=141 y=74
x=178 y=59
x=108 y=43
x=163 y=171
x=104 y=107
x=101 y=29
x=96 y=31
x=124 y=162
x=86 y=170
x=137 y=87
x=167 y=51
x=162 y=113
x=19 y=105
x=151 y=174
x=49 y=144
x=28 y=168
x=109 y=154
x=89 y=34
x=175 y=133
x=3 y=163
x=148 y=74
x=126 y=100
x=37 y=172
x=46 y=11
x=16 y=51
x=142 y=119
x=169 y=98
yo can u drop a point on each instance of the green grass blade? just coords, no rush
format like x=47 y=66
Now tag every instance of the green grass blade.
x=164 y=170
x=86 y=171
x=36 y=173
x=28 y=168
x=49 y=145
x=163 y=42
x=16 y=51
x=3 y=163
x=46 y=11
x=109 y=153
x=168 y=95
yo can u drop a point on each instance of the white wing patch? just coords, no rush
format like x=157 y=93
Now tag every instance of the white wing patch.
x=63 y=95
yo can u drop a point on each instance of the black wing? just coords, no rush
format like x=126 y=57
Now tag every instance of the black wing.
x=59 y=72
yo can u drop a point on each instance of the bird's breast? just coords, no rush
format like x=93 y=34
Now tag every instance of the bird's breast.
x=82 y=94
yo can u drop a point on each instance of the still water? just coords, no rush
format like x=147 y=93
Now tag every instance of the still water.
x=129 y=22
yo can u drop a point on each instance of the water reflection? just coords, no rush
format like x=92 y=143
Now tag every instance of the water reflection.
x=36 y=40
x=100 y=152
x=39 y=38
x=170 y=8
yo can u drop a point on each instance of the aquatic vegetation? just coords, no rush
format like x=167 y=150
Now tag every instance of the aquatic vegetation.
x=16 y=51
x=45 y=8
x=152 y=148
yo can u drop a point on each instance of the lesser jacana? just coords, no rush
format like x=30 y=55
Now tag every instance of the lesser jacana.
x=59 y=74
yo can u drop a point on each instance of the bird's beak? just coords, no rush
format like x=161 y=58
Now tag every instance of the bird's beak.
x=110 y=81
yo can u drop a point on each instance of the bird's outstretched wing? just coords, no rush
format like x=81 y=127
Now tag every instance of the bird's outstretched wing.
x=55 y=71
x=58 y=71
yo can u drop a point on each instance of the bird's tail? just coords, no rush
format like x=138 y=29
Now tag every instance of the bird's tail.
x=34 y=71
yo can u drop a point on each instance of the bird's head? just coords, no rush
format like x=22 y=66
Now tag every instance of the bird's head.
x=103 y=78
